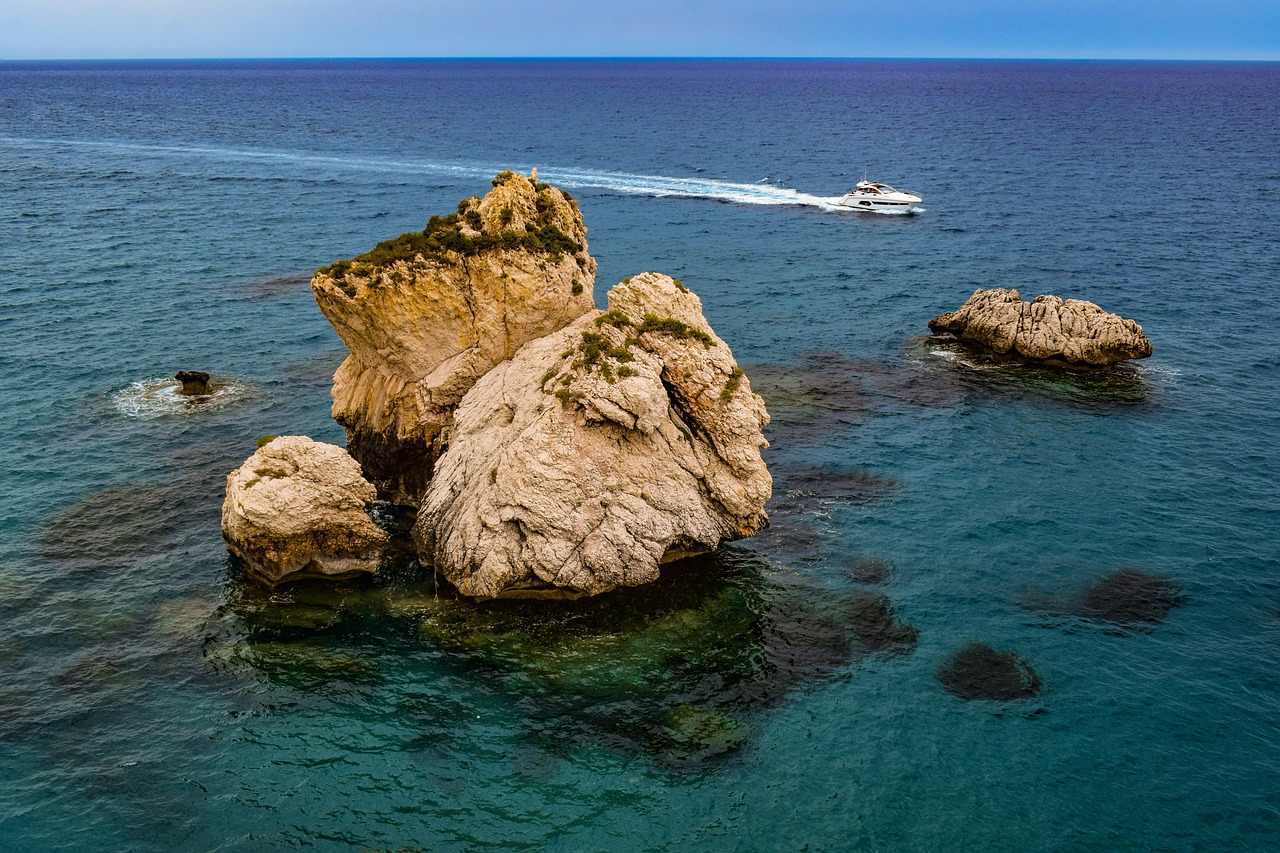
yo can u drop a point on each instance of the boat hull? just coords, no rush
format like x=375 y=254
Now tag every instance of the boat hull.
x=867 y=205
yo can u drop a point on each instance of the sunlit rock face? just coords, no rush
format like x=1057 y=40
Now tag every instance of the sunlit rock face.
x=296 y=509
x=429 y=313
x=1047 y=329
x=629 y=438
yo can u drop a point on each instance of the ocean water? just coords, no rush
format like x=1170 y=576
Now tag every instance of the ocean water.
x=781 y=696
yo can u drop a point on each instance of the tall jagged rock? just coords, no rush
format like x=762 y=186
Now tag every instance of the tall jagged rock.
x=1074 y=333
x=628 y=438
x=429 y=313
x=296 y=509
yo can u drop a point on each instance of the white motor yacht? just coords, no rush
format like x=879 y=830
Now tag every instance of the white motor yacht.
x=880 y=198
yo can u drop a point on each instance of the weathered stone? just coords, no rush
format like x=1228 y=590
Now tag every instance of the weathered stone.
x=194 y=382
x=427 y=315
x=1072 y=333
x=296 y=509
x=599 y=451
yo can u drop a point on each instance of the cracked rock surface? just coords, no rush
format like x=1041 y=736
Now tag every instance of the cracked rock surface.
x=296 y=509
x=628 y=438
x=422 y=327
x=1072 y=332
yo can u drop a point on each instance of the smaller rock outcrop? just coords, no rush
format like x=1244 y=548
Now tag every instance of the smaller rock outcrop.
x=195 y=383
x=296 y=509
x=626 y=439
x=1072 y=333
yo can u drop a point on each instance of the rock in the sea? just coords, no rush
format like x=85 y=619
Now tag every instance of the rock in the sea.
x=980 y=672
x=195 y=383
x=1072 y=333
x=1131 y=598
x=296 y=509
x=427 y=314
x=626 y=439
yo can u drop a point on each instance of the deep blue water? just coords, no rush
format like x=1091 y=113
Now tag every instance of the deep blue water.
x=161 y=216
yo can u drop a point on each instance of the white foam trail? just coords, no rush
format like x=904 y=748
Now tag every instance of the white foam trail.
x=659 y=186
x=159 y=397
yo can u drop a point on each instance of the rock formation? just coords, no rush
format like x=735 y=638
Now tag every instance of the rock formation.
x=296 y=509
x=195 y=383
x=427 y=314
x=627 y=438
x=550 y=449
x=1073 y=333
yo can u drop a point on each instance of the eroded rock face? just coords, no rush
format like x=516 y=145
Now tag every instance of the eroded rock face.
x=296 y=509
x=625 y=439
x=1073 y=333
x=429 y=313
x=194 y=382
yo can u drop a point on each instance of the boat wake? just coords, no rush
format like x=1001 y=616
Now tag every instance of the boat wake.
x=624 y=183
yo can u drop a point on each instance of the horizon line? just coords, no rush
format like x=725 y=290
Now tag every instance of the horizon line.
x=637 y=58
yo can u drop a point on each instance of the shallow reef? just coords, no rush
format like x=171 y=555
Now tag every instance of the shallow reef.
x=1125 y=600
x=677 y=669
x=872 y=571
x=980 y=672
x=1131 y=598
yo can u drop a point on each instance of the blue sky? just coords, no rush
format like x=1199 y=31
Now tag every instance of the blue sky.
x=1103 y=29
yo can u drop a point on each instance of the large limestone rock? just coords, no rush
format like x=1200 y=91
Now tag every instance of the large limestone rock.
x=1074 y=332
x=429 y=313
x=597 y=452
x=296 y=509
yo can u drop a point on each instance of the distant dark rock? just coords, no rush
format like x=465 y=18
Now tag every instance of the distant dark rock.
x=1131 y=598
x=871 y=570
x=195 y=383
x=875 y=626
x=980 y=672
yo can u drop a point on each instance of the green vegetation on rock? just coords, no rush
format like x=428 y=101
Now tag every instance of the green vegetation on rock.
x=445 y=241
x=735 y=379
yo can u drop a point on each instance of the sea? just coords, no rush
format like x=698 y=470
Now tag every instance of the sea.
x=789 y=693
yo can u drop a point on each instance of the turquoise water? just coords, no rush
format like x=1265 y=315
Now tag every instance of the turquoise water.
x=165 y=216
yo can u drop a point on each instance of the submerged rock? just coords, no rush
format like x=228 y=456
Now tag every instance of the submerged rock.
x=297 y=508
x=876 y=626
x=1131 y=598
x=429 y=313
x=674 y=669
x=871 y=570
x=195 y=383
x=624 y=440
x=980 y=672
x=1073 y=333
